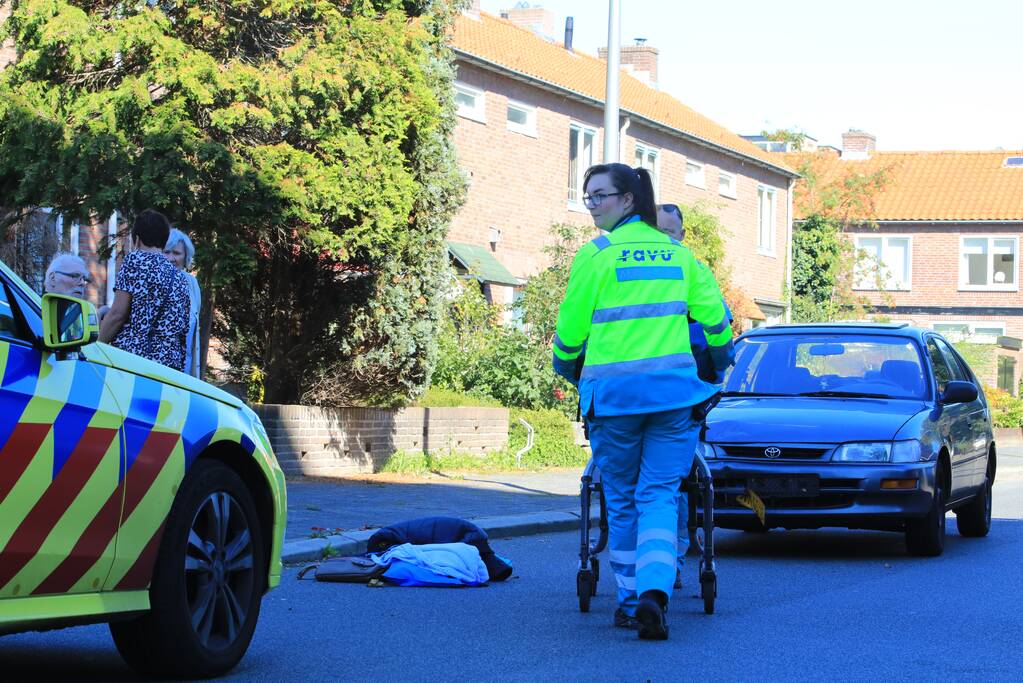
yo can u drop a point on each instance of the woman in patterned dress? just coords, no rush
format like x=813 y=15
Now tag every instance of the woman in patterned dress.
x=149 y=316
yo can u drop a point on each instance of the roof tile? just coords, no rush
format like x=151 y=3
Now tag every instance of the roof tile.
x=501 y=42
x=933 y=186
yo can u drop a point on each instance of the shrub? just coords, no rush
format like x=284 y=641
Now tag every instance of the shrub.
x=553 y=441
x=439 y=397
x=1006 y=409
x=482 y=357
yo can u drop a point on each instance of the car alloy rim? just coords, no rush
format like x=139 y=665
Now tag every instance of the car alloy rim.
x=219 y=570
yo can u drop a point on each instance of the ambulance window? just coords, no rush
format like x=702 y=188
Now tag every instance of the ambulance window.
x=10 y=327
x=8 y=324
x=33 y=314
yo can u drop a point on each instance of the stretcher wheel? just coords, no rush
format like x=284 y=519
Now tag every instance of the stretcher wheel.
x=595 y=568
x=708 y=590
x=585 y=586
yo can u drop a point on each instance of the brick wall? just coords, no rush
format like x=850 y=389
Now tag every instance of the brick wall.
x=518 y=183
x=323 y=442
x=935 y=295
x=935 y=274
x=91 y=239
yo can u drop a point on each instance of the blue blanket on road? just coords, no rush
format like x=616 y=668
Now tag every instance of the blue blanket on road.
x=434 y=564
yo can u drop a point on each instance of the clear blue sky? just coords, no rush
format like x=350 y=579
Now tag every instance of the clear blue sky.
x=918 y=74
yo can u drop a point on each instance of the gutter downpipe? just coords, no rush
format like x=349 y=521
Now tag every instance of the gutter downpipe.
x=611 y=88
x=791 y=250
x=626 y=122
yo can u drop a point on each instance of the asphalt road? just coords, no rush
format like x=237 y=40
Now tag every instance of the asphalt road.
x=818 y=605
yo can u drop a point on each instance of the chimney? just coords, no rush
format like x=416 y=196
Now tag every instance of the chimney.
x=569 y=30
x=473 y=10
x=858 y=144
x=537 y=19
x=639 y=59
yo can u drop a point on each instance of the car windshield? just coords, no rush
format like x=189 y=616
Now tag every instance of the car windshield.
x=841 y=365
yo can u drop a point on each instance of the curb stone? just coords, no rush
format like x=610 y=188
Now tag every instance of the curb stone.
x=505 y=526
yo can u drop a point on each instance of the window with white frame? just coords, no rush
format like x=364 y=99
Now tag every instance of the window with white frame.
x=766 y=211
x=695 y=175
x=988 y=263
x=728 y=184
x=521 y=118
x=646 y=157
x=580 y=158
x=470 y=102
x=978 y=332
x=884 y=262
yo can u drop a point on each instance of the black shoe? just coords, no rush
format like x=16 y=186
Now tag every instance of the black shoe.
x=623 y=620
x=651 y=613
x=678 y=580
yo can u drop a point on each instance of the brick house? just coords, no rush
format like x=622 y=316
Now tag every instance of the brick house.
x=530 y=120
x=947 y=243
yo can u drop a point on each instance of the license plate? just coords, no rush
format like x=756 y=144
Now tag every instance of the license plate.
x=786 y=487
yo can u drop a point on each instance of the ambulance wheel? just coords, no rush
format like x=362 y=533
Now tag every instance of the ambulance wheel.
x=708 y=590
x=595 y=568
x=584 y=588
x=207 y=582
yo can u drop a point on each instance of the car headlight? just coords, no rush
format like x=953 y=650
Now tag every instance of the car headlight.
x=705 y=450
x=913 y=450
x=880 y=451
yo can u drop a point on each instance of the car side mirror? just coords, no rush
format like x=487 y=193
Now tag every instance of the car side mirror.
x=959 y=392
x=68 y=323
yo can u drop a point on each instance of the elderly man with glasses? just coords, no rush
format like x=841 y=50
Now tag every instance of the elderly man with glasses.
x=67 y=274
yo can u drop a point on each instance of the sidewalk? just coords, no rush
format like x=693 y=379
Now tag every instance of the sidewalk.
x=505 y=504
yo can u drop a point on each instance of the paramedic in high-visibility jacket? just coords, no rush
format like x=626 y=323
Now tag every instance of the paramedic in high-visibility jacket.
x=629 y=294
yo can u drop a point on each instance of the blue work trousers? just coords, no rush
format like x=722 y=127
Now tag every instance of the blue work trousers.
x=642 y=460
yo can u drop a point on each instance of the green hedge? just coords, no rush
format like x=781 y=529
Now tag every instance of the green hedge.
x=437 y=397
x=553 y=441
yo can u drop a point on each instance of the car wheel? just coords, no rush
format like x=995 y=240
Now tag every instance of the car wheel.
x=974 y=518
x=207 y=583
x=925 y=537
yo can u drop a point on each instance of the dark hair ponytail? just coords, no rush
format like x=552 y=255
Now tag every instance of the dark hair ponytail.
x=636 y=181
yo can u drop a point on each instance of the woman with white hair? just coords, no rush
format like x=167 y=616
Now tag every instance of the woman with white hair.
x=180 y=251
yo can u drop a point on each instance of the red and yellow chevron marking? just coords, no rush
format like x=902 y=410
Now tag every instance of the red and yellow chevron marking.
x=18 y=452
x=161 y=466
x=50 y=519
x=47 y=533
x=98 y=539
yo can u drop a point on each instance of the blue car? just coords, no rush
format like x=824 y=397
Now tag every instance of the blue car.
x=860 y=425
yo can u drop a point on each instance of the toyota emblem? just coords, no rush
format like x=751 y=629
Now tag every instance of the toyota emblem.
x=772 y=452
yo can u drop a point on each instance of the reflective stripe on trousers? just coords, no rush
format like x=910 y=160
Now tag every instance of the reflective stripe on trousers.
x=642 y=460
